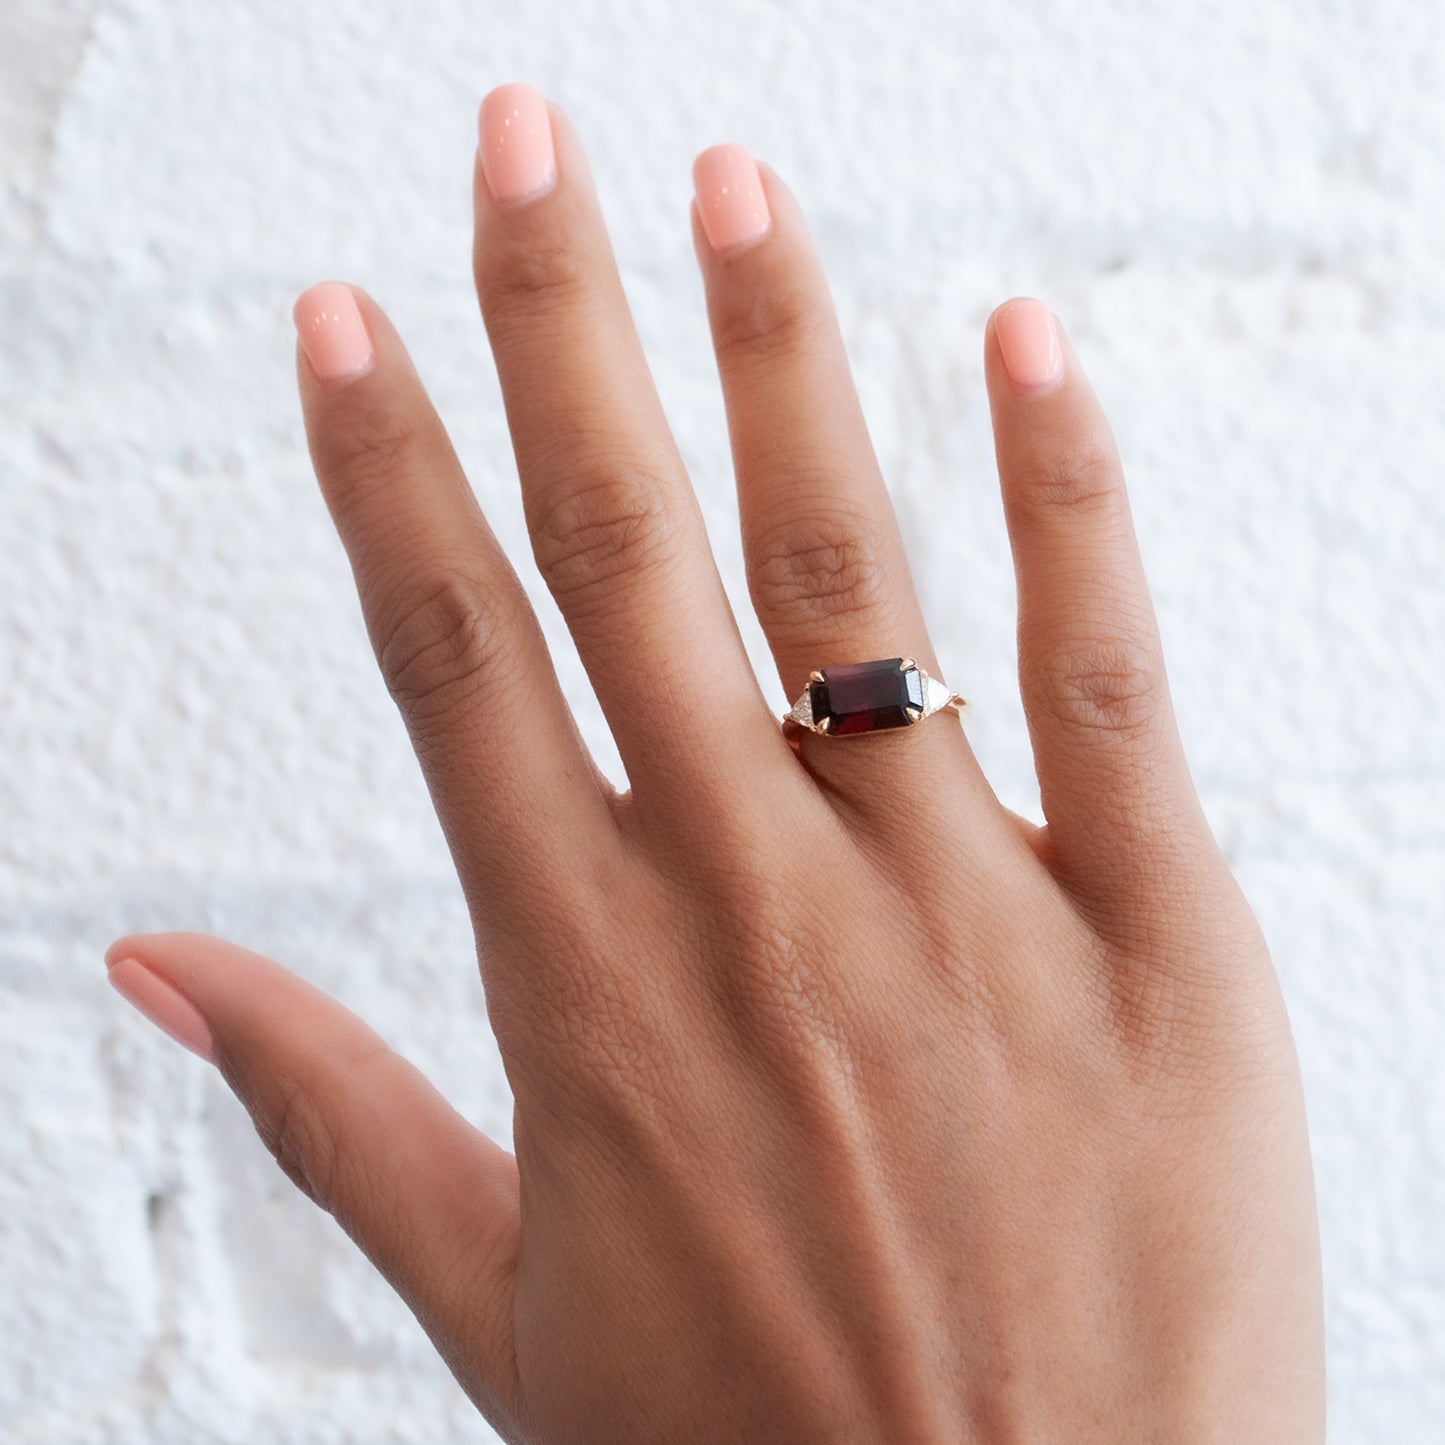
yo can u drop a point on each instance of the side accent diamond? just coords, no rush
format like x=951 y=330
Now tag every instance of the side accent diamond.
x=802 y=712
x=935 y=694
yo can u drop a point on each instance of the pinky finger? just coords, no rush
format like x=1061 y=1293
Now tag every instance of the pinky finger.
x=1114 y=784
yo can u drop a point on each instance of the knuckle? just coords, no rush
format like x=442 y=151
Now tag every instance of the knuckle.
x=610 y=524
x=302 y=1143
x=778 y=323
x=829 y=564
x=518 y=282
x=1113 y=685
x=442 y=646
x=375 y=450
x=300 y=1130
x=1087 y=479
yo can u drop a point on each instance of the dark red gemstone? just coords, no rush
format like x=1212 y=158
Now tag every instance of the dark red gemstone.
x=862 y=697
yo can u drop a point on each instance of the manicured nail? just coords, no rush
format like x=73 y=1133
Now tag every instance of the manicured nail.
x=164 y=1005
x=333 y=335
x=730 y=197
x=515 y=132
x=1028 y=339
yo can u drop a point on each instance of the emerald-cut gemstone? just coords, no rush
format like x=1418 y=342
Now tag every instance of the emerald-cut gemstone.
x=863 y=697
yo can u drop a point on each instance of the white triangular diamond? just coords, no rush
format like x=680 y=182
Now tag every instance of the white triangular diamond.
x=936 y=694
x=802 y=710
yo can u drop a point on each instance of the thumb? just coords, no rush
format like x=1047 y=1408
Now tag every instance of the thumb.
x=431 y=1201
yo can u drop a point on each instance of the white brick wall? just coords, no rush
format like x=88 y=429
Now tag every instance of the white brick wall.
x=1235 y=208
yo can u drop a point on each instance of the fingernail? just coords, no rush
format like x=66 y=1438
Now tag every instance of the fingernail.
x=1028 y=340
x=164 y=1005
x=730 y=197
x=333 y=335
x=515 y=130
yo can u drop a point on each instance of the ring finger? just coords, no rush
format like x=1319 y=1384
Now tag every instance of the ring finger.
x=826 y=565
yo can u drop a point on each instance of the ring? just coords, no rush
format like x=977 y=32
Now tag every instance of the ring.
x=867 y=697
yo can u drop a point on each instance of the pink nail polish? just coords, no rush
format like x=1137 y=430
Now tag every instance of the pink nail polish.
x=1028 y=340
x=518 y=158
x=333 y=335
x=730 y=197
x=164 y=1005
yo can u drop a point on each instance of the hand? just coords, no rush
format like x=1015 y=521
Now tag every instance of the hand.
x=849 y=1105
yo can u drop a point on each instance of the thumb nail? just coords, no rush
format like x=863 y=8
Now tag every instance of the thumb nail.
x=164 y=1005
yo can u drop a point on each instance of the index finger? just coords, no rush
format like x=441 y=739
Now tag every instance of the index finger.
x=458 y=644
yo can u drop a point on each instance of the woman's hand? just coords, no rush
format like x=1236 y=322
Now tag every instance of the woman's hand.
x=849 y=1105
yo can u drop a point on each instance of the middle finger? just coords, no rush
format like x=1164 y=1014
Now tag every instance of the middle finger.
x=615 y=526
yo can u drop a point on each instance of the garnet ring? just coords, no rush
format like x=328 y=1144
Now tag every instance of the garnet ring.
x=867 y=697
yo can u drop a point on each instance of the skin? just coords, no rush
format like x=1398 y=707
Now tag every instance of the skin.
x=850 y=1106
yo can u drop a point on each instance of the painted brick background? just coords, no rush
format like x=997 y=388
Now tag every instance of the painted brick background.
x=1237 y=211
